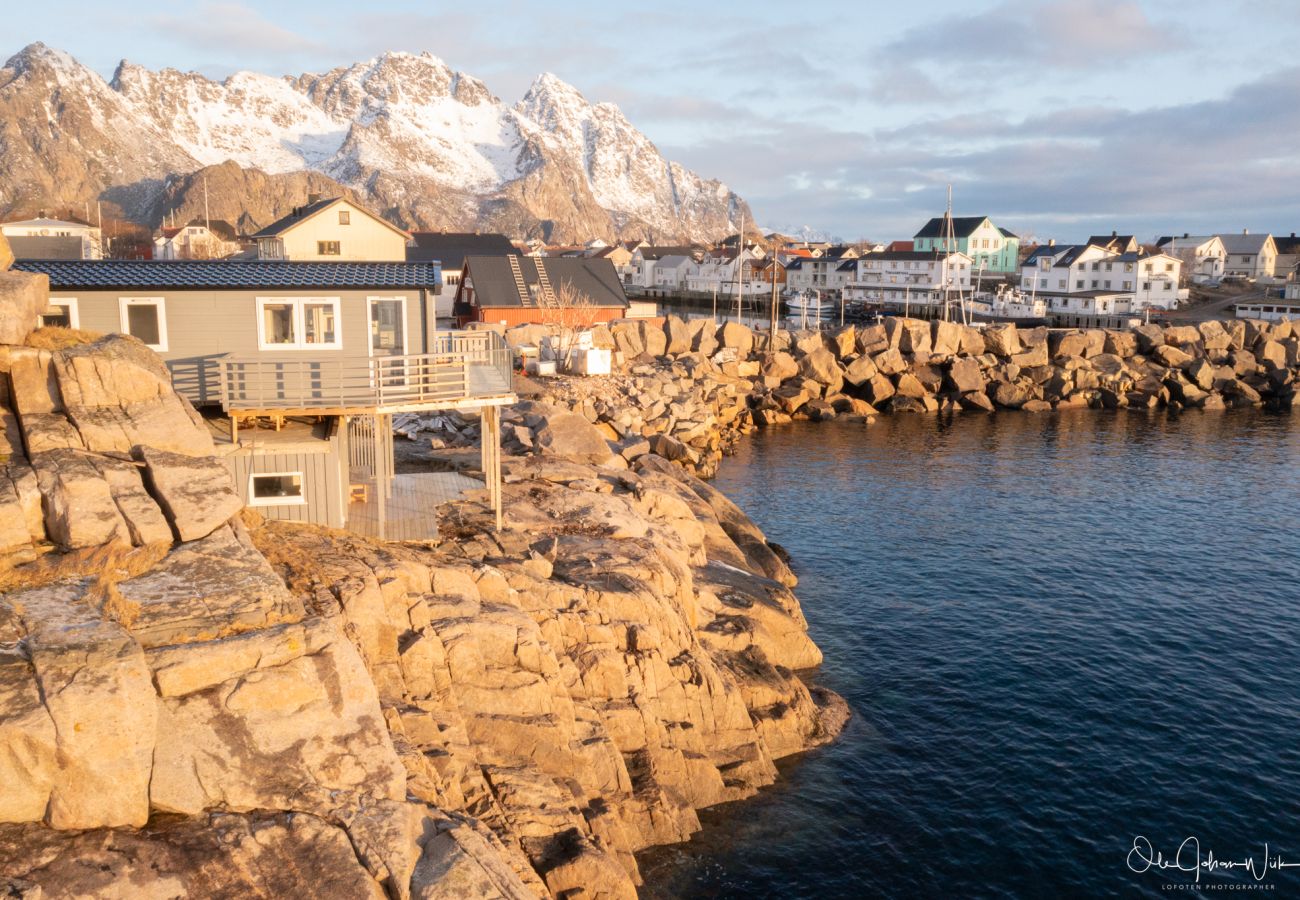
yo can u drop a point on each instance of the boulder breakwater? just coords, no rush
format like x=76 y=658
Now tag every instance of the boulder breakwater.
x=685 y=390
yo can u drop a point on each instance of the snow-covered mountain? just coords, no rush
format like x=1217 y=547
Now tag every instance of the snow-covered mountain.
x=427 y=146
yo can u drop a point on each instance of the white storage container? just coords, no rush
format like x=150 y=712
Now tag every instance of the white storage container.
x=590 y=362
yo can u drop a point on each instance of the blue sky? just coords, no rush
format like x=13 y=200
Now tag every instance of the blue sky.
x=1059 y=118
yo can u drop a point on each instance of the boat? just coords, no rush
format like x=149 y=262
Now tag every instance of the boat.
x=1010 y=305
x=810 y=307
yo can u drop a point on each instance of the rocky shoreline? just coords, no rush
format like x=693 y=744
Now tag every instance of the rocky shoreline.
x=197 y=702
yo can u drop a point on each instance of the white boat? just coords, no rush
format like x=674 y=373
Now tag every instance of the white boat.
x=810 y=307
x=1009 y=305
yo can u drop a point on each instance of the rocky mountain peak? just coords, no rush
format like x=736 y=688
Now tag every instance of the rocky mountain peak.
x=406 y=131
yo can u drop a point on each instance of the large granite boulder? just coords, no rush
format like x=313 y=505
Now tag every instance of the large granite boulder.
x=23 y=297
x=118 y=394
x=677 y=334
x=6 y=254
x=736 y=337
x=570 y=436
x=1002 y=340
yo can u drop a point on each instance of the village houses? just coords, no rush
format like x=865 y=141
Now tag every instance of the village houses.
x=198 y=240
x=1088 y=280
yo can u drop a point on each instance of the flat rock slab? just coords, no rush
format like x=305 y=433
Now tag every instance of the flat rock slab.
x=79 y=506
x=97 y=689
x=205 y=589
x=195 y=492
x=263 y=855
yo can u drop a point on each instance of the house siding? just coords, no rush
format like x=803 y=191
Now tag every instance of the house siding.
x=203 y=326
x=513 y=316
x=363 y=239
x=323 y=487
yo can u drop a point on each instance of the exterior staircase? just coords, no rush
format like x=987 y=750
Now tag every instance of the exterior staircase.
x=520 y=285
x=548 y=295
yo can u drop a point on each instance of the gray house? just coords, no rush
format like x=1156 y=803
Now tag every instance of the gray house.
x=193 y=313
x=317 y=357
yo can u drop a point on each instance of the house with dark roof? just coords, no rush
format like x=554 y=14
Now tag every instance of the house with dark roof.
x=327 y=352
x=990 y=248
x=195 y=313
x=513 y=290
x=449 y=249
x=1249 y=256
x=331 y=230
x=1288 y=256
x=1086 y=284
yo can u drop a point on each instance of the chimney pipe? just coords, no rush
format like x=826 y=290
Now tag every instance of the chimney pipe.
x=1245 y=231
x=313 y=198
x=1051 y=242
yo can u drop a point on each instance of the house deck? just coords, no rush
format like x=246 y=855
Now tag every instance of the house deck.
x=408 y=513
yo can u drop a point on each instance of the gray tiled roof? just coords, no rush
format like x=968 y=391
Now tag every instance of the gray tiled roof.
x=451 y=248
x=494 y=284
x=107 y=274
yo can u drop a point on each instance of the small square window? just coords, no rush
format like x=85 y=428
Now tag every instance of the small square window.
x=345 y=217
x=275 y=489
x=327 y=248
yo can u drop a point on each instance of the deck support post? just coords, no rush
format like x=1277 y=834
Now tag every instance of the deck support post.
x=490 y=454
x=380 y=465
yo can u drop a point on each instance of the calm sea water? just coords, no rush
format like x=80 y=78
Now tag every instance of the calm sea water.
x=1057 y=633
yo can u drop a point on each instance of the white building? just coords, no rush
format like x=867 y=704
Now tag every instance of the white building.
x=196 y=241
x=1250 y=256
x=716 y=272
x=835 y=270
x=671 y=273
x=903 y=277
x=1203 y=256
x=89 y=235
x=1088 y=280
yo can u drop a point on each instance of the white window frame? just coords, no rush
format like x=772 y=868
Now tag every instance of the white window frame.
x=254 y=500
x=125 y=303
x=406 y=334
x=299 y=324
x=70 y=304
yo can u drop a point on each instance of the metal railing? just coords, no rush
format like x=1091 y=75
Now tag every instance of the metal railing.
x=462 y=366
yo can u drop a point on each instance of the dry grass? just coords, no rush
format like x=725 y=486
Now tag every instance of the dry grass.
x=56 y=337
x=106 y=565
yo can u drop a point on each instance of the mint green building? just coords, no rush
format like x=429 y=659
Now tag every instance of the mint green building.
x=995 y=249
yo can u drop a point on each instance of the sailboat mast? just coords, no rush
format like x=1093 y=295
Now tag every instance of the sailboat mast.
x=740 y=266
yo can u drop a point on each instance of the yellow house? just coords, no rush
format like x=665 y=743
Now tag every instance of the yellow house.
x=332 y=230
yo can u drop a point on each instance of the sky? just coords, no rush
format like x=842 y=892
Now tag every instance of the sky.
x=1057 y=118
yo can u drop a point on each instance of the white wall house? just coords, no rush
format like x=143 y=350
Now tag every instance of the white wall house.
x=1085 y=277
x=332 y=230
x=671 y=273
x=1204 y=257
x=192 y=241
x=91 y=243
x=909 y=276
x=1250 y=256
x=823 y=273
x=715 y=273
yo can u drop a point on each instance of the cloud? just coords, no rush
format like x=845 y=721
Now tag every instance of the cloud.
x=1072 y=34
x=232 y=29
x=1211 y=164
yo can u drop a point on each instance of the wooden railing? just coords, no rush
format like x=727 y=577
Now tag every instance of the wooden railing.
x=463 y=366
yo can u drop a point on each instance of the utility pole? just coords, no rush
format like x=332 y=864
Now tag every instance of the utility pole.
x=740 y=268
x=207 y=222
x=771 y=344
